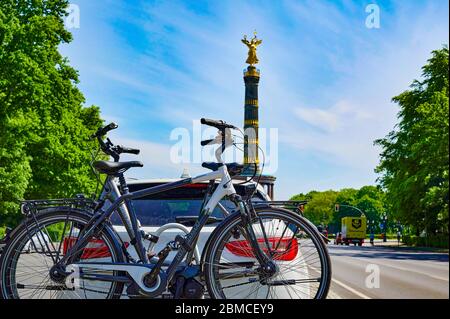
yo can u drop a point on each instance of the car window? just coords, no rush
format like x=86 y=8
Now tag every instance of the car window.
x=163 y=208
x=156 y=212
x=186 y=192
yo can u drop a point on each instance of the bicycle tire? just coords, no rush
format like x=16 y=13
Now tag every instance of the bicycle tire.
x=216 y=243
x=20 y=235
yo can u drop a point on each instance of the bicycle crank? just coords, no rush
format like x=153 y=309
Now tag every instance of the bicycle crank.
x=137 y=276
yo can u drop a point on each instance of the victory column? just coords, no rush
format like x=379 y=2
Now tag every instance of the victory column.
x=251 y=119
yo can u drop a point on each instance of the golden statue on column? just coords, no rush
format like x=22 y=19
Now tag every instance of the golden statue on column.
x=252 y=45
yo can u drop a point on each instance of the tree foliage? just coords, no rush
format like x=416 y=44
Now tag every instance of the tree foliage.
x=321 y=205
x=44 y=150
x=415 y=158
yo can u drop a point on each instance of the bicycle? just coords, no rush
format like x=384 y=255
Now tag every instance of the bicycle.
x=258 y=251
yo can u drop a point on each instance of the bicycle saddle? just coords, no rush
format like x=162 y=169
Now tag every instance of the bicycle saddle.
x=113 y=168
x=233 y=168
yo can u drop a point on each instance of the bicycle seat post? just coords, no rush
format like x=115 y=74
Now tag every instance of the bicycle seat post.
x=223 y=146
x=138 y=233
x=123 y=184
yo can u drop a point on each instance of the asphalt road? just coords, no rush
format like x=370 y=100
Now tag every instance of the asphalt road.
x=403 y=273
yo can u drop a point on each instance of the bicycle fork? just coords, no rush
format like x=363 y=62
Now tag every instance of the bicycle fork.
x=268 y=267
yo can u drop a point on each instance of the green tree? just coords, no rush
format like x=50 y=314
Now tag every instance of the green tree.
x=306 y=197
x=415 y=157
x=371 y=200
x=345 y=197
x=44 y=150
x=320 y=207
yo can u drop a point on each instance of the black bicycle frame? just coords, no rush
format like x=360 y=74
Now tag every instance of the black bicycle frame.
x=101 y=215
x=189 y=241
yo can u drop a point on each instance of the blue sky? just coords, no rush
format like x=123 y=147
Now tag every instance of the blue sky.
x=326 y=79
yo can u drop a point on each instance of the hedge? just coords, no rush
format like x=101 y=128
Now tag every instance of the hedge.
x=437 y=241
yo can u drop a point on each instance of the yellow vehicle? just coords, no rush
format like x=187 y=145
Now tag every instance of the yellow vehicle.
x=353 y=230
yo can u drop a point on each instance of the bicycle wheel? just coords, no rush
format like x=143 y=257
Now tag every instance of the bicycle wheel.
x=303 y=265
x=37 y=244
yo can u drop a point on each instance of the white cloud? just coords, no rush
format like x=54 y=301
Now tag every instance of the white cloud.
x=332 y=119
x=325 y=120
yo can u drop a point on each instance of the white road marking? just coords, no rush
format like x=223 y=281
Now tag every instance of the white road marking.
x=352 y=290
x=333 y=295
x=385 y=264
x=417 y=272
x=440 y=266
x=340 y=283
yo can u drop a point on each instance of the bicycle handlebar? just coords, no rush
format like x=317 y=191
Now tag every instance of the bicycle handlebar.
x=103 y=130
x=221 y=125
x=224 y=138
x=122 y=149
x=108 y=147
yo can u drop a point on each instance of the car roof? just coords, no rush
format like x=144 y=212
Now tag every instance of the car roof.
x=152 y=181
x=170 y=180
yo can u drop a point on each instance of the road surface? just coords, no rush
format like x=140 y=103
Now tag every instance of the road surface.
x=403 y=273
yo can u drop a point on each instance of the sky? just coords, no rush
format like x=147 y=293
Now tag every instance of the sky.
x=326 y=84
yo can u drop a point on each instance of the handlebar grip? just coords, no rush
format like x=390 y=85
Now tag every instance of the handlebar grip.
x=103 y=130
x=218 y=124
x=128 y=150
x=206 y=142
x=209 y=122
x=109 y=127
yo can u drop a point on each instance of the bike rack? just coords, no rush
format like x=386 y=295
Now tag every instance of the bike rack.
x=32 y=207
x=295 y=205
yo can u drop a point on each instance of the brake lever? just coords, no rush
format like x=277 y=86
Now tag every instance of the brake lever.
x=206 y=142
x=218 y=138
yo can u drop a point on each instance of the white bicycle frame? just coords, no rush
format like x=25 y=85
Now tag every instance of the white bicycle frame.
x=122 y=204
